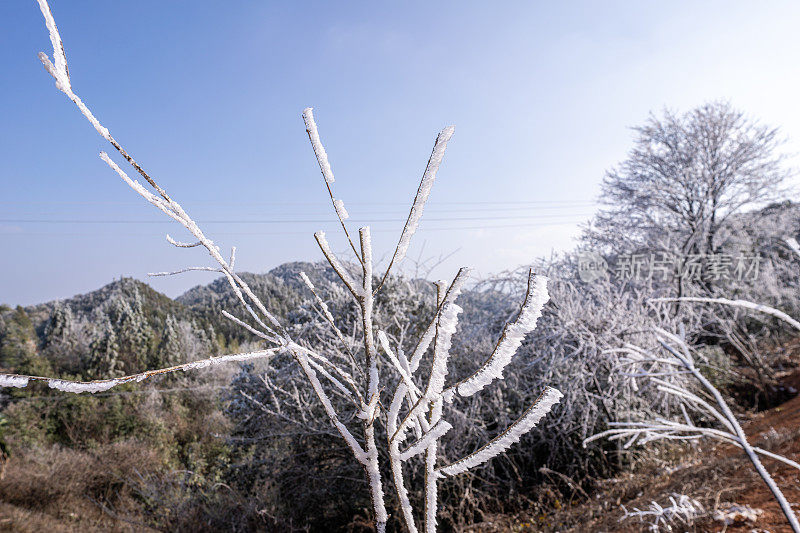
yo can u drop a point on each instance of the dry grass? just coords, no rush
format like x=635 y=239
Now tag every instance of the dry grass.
x=59 y=489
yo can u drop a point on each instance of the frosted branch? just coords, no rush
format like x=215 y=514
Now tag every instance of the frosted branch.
x=794 y=245
x=302 y=359
x=737 y=303
x=341 y=212
x=430 y=332
x=248 y=327
x=326 y=314
x=684 y=509
x=342 y=373
x=649 y=431
x=430 y=437
x=327 y=173
x=510 y=436
x=510 y=340
x=421 y=198
x=67 y=385
x=401 y=369
x=184 y=270
x=336 y=383
x=183 y=244
x=337 y=266
x=59 y=70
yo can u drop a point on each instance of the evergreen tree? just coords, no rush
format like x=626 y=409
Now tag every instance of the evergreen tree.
x=170 y=350
x=60 y=330
x=134 y=334
x=104 y=351
x=19 y=346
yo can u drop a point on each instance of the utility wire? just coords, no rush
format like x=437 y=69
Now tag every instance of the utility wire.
x=239 y=233
x=273 y=221
x=288 y=203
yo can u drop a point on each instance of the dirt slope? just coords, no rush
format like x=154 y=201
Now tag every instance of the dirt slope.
x=711 y=473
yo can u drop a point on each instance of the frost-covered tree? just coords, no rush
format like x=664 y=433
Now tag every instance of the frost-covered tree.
x=133 y=332
x=686 y=175
x=171 y=348
x=681 y=200
x=104 y=358
x=413 y=402
x=60 y=329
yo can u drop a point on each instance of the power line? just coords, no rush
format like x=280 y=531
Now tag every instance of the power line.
x=289 y=203
x=437 y=210
x=274 y=221
x=249 y=233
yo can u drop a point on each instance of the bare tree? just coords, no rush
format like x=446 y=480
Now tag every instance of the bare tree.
x=686 y=175
x=327 y=374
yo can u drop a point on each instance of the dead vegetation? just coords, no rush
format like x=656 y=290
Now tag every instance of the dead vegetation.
x=63 y=489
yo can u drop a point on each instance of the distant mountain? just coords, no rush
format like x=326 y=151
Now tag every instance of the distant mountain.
x=127 y=326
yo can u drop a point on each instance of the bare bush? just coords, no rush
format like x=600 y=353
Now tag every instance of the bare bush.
x=352 y=373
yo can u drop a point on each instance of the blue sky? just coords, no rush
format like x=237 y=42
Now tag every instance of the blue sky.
x=208 y=96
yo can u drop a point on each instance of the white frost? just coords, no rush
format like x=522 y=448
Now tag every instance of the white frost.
x=78 y=387
x=341 y=212
x=7 y=380
x=59 y=69
x=510 y=340
x=452 y=293
x=793 y=244
x=423 y=192
x=448 y=322
x=502 y=442
x=737 y=303
x=435 y=433
x=316 y=143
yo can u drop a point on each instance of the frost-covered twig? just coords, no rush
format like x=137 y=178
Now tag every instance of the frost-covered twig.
x=510 y=340
x=681 y=509
x=425 y=403
x=737 y=303
x=326 y=314
x=100 y=385
x=511 y=435
x=184 y=270
x=794 y=245
x=327 y=173
x=679 y=354
x=417 y=208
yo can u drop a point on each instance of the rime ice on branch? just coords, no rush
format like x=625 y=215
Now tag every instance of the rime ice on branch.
x=424 y=404
x=420 y=399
